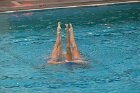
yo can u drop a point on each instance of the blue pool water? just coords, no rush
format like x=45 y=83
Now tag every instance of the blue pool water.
x=108 y=37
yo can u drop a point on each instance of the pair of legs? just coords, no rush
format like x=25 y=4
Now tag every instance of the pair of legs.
x=72 y=52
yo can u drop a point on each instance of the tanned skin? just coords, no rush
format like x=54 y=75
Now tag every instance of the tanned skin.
x=72 y=52
x=57 y=50
x=75 y=51
x=68 y=48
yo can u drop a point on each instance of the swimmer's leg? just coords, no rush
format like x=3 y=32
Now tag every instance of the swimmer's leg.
x=60 y=41
x=75 y=51
x=57 y=50
x=68 y=49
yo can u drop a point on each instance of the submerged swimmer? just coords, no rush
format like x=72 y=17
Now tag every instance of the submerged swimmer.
x=72 y=52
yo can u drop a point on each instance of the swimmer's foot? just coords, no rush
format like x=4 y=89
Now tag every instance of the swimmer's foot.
x=71 y=29
x=59 y=28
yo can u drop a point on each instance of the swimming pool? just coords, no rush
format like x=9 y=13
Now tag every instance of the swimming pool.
x=108 y=37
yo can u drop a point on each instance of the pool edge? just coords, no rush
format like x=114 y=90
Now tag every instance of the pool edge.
x=72 y=6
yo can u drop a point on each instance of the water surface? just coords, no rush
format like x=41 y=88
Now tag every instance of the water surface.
x=108 y=37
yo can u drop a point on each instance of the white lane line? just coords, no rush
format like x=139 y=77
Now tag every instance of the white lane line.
x=72 y=6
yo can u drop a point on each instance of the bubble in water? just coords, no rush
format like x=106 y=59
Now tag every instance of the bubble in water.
x=108 y=27
x=90 y=33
